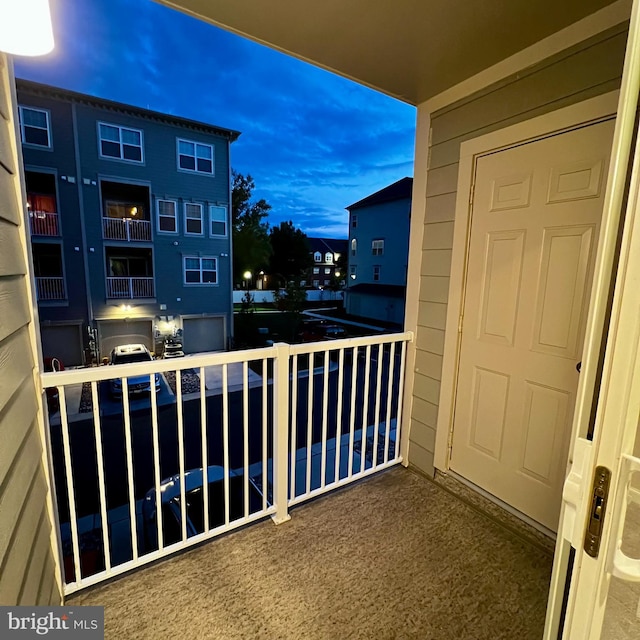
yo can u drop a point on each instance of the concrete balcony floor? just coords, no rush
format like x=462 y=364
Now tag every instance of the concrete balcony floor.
x=394 y=556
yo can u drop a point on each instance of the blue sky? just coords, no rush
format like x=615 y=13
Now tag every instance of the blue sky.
x=313 y=142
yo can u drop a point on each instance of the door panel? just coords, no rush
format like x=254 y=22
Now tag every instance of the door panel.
x=534 y=223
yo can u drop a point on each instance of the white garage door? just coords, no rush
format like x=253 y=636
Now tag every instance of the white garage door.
x=63 y=342
x=114 y=332
x=203 y=334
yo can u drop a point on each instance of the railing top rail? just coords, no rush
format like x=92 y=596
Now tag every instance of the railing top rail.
x=91 y=374
x=345 y=343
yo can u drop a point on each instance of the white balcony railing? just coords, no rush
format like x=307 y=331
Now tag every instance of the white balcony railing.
x=44 y=223
x=126 y=229
x=128 y=288
x=50 y=289
x=273 y=427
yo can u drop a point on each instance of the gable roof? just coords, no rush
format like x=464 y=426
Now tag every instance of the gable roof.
x=333 y=245
x=400 y=190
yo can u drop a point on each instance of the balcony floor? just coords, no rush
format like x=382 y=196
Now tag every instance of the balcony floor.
x=395 y=556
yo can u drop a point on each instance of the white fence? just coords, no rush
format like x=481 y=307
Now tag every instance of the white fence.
x=50 y=288
x=313 y=295
x=126 y=229
x=129 y=288
x=272 y=428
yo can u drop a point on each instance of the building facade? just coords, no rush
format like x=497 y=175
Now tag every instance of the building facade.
x=129 y=223
x=378 y=253
x=326 y=272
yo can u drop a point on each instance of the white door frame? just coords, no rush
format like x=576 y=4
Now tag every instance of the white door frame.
x=575 y=116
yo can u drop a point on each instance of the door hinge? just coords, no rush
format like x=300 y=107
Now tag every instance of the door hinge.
x=597 y=511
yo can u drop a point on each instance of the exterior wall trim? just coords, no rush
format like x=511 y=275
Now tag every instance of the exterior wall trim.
x=589 y=111
x=597 y=22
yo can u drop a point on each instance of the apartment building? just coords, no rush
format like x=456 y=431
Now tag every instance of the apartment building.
x=326 y=271
x=129 y=222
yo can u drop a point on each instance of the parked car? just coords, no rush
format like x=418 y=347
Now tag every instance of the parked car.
x=172 y=514
x=125 y=354
x=333 y=331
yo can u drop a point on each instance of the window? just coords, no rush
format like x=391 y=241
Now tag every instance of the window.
x=316 y=270
x=193 y=218
x=376 y=273
x=316 y=283
x=328 y=257
x=326 y=282
x=354 y=247
x=35 y=127
x=217 y=221
x=377 y=247
x=303 y=283
x=200 y=270
x=167 y=216
x=327 y=271
x=317 y=257
x=352 y=272
x=354 y=220
x=193 y=156
x=120 y=143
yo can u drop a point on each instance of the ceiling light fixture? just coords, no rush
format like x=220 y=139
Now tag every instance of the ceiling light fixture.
x=26 y=28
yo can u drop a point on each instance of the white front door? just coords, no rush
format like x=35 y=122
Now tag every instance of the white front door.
x=534 y=230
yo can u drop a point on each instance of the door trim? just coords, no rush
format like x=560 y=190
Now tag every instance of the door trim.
x=575 y=116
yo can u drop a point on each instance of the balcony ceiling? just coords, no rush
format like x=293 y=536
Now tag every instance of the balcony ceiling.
x=410 y=49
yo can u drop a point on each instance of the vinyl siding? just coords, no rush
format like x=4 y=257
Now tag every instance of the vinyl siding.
x=591 y=68
x=26 y=554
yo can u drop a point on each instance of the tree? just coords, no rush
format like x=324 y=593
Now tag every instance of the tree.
x=251 y=246
x=290 y=256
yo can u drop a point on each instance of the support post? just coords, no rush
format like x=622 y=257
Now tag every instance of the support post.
x=281 y=433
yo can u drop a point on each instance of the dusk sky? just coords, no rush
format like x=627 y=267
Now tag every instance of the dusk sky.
x=313 y=142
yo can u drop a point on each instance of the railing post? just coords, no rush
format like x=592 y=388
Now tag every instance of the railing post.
x=281 y=433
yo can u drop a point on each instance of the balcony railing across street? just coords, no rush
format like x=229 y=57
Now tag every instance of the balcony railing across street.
x=43 y=223
x=126 y=229
x=130 y=288
x=272 y=427
x=50 y=288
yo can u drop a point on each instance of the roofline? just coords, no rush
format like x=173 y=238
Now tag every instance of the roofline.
x=365 y=202
x=37 y=88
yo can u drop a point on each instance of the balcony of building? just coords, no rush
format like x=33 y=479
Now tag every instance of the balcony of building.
x=48 y=271
x=126 y=212
x=42 y=206
x=129 y=273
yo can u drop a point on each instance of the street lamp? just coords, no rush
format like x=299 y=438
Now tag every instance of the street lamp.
x=247 y=278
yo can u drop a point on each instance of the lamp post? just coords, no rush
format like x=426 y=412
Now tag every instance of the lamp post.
x=247 y=279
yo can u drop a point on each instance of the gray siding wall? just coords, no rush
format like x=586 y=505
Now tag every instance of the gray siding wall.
x=591 y=68
x=26 y=555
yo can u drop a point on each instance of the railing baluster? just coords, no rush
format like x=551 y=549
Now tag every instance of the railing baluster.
x=156 y=466
x=225 y=438
x=325 y=404
x=390 y=374
x=129 y=450
x=101 y=486
x=352 y=415
x=309 y=420
x=183 y=497
x=205 y=450
x=264 y=434
x=71 y=495
x=294 y=423
x=365 y=407
x=245 y=433
x=376 y=411
x=400 y=396
x=340 y=390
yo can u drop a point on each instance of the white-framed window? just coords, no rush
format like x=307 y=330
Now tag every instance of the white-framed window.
x=193 y=218
x=316 y=283
x=377 y=247
x=327 y=271
x=195 y=156
x=303 y=283
x=217 y=220
x=167 y=216
x=328 y=258
x=317 y=257
x=120 y=143
x=354 y=246
x=316 y=271
x=354 y=220
x=352 y=272
x=326 y=282
x=200 y=270
x=376 y=272
x=35 y=126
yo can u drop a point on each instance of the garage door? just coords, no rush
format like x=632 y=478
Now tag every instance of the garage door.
x=114 y=332
x=63 y=342
x=203 y=334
